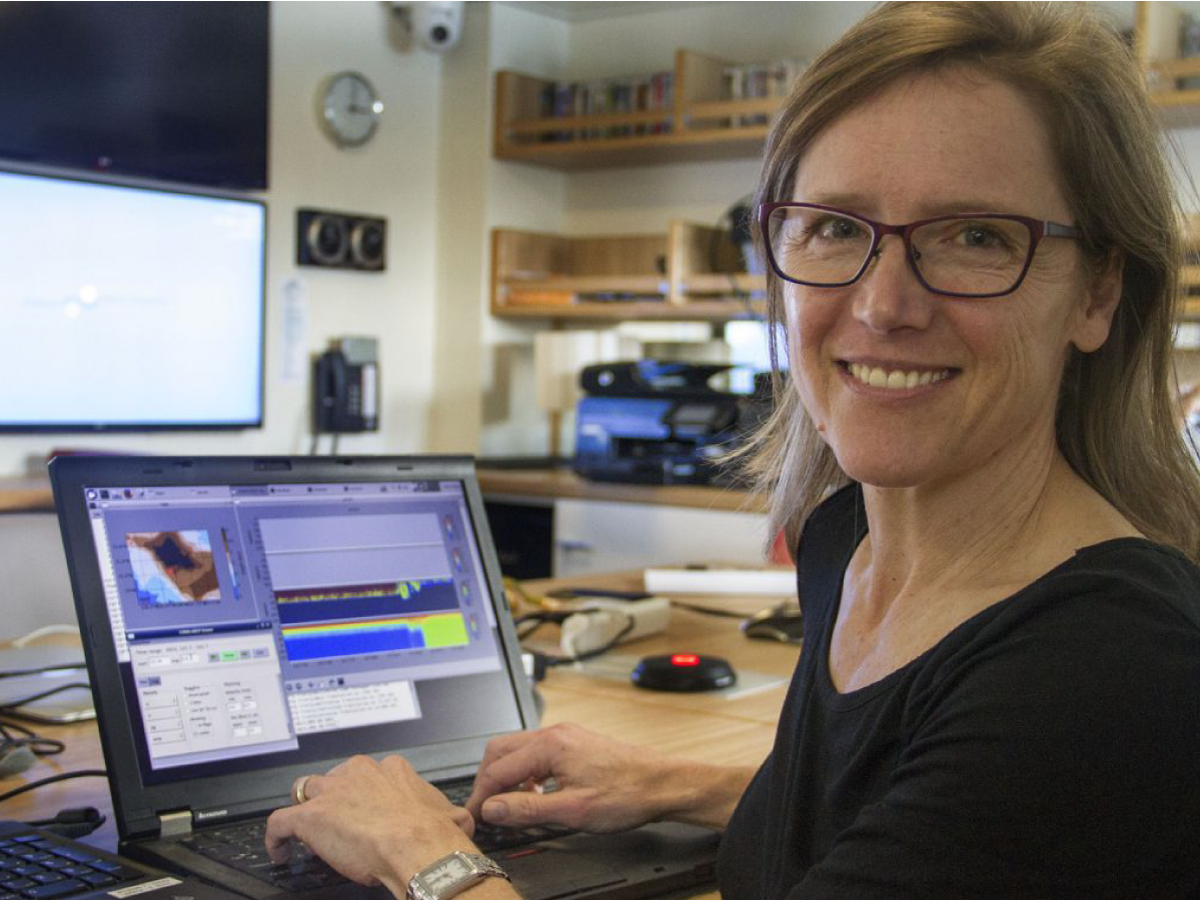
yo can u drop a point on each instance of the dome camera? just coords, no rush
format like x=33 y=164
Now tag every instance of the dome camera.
x=437 y=23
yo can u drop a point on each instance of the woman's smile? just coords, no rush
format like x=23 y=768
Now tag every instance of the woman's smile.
x=894 y=378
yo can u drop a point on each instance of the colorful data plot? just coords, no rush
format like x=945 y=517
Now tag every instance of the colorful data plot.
x=336 y=639
x=371 y=601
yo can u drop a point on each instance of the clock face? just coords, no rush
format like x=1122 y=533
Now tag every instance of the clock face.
x=350 y=108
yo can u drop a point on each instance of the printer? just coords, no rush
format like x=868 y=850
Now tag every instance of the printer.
x=653 y=422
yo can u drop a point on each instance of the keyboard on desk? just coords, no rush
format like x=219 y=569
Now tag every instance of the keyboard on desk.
x=35 y=865
x=242 y=847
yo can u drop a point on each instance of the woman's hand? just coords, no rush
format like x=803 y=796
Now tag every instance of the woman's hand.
x=376 y=822
x=603 y=785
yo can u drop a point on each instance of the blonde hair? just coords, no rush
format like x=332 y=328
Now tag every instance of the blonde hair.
x=1116 y=423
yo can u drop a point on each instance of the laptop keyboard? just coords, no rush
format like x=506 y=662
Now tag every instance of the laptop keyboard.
x=241 y=847
x=36 y=867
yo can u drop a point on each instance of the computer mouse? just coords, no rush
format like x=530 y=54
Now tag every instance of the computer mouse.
x=683 y=672
x=780 y=623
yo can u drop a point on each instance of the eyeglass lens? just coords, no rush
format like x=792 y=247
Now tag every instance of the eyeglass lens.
x=965 y=255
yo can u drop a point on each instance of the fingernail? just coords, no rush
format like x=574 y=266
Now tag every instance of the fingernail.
x=495 y=811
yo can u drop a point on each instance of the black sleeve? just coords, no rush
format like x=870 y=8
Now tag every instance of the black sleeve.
x=1061 y=762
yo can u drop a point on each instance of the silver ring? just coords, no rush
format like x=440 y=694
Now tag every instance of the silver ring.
x=298 y=790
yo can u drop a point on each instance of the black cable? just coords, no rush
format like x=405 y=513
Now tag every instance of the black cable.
x=551 y=660
x=76 y=822
x=708 y=610
x=557 y=617
x=10 y=705
x=62 y=776
x=548 y=617
x=38 y=745
x=20 y=673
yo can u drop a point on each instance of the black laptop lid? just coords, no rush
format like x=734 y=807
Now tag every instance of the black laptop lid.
x=249 y=620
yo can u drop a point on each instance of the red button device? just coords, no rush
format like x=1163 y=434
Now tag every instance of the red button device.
x=685 y=659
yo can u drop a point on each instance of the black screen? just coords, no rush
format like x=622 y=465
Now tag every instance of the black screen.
x=172 y=91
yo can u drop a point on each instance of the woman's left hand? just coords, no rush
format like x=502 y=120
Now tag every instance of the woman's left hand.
x=376 y=822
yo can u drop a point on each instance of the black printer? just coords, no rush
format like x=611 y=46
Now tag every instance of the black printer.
x=653 y=422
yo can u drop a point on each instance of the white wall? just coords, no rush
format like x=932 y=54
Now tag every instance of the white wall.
x=476 y=382
x=395 y=175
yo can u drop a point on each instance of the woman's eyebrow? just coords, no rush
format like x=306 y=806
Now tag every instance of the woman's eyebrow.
x=861 y=204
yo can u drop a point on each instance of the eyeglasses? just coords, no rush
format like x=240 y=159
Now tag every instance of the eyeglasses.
x=976 y=255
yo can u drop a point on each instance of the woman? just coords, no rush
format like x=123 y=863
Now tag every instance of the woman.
x=973 y=249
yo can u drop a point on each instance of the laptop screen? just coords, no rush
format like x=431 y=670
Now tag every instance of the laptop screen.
x=263 y=625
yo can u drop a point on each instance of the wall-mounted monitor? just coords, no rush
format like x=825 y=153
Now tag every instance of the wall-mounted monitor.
x=170 y=91
x=128 y=308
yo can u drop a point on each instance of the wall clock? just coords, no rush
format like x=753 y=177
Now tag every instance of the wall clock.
x=350 y=108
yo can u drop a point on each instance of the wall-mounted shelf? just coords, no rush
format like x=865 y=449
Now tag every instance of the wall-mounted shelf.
x=691 y=272
x=688 y=121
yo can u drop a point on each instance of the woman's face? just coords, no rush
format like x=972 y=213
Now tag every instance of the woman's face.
x=950 y=142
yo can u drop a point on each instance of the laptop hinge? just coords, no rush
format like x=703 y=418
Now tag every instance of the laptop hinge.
x=175 y=823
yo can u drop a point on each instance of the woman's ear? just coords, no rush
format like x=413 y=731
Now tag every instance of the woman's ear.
x=1100 y=305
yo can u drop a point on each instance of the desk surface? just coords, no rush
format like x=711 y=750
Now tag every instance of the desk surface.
x=553 y=484
x=705 y=727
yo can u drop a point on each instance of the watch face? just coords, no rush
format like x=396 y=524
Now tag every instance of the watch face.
x=445 y=874
x=351 y=109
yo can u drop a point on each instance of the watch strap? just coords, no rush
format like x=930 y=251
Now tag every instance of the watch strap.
x=479 y=867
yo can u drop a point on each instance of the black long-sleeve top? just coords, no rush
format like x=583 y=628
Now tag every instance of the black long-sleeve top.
x=1049 y=746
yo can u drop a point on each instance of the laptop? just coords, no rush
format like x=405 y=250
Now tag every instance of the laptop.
x=250 y=620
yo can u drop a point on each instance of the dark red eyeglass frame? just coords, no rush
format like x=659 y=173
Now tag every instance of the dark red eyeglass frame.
x=1038 y=229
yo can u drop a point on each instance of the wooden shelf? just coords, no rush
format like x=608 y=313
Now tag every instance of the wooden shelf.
x=641 y=150
x=634 y=311
x=691 y=272
x=696 y=125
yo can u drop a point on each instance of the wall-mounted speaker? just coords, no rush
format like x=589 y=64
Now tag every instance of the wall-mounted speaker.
x=335 y=240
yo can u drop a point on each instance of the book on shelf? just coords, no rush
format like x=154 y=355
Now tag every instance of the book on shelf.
x=753 y=81
x=644 y=93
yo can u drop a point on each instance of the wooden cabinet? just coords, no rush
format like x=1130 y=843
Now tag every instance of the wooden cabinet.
x=691 y=272
x=691 y=121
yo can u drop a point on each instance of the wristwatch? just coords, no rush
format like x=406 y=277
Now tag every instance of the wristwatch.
x=451 y=875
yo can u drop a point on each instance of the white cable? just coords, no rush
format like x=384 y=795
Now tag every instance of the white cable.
x=43 y=631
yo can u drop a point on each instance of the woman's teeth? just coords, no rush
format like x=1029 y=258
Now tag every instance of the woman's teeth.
x=896 y=379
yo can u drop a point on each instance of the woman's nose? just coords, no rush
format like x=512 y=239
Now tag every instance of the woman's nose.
x=889 y=295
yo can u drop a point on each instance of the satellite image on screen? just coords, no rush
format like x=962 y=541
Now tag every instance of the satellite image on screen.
x=173 y=567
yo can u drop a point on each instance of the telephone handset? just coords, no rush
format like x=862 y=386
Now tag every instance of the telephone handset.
x=346 y=387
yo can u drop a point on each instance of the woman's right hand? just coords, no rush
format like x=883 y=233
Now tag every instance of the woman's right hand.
x=603 y=785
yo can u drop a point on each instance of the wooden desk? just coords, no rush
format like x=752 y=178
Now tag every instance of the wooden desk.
x=558 y=483
x=30 y=494
x=704 y=727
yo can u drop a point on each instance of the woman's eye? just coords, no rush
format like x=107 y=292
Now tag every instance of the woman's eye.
x=983 y=237
x=979 y=237
x=838 y=229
